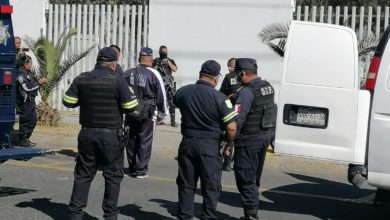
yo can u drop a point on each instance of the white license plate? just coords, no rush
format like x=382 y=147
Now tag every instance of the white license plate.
x=311 y=118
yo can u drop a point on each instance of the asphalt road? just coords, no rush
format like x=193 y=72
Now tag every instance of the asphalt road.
x=290 y=189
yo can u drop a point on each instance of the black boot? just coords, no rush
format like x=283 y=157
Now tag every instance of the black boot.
x=173 y=121
x=226 y=166
x=24 y=142
x=250 y=214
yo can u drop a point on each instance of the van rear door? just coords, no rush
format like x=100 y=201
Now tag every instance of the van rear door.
x=322 y=113
x=379 y=137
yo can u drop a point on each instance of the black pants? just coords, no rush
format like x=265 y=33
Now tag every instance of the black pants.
x=97 y=149
x=248 y=167
x=139 y=148
x=198 y=159
x=27 y=118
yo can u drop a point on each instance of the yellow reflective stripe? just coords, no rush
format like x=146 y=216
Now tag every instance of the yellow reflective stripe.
x=70 y=100
x=230 y=116
x=130 y=105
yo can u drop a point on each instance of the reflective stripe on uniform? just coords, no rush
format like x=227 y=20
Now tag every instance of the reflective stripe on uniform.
x=230 y=116
x=69 y=99
x=130 y=105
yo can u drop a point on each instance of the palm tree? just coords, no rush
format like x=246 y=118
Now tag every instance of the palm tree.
x=53 y=63
x=275 y=36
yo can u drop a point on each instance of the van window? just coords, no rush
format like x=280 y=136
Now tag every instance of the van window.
x=311 y=57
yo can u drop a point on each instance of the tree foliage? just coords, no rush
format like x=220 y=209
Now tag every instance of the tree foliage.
x=53 y=64
x=344 y=2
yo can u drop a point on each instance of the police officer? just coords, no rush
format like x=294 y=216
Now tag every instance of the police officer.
x=149 y=89
x=166 y=66
x=229 y=87
x=102 y=97
x=118 y=68
x=27 y=90
x=205 y=111
x=255 y=103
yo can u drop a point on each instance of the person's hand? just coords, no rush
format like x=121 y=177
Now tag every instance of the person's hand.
x=42 y=81
x=228 y=151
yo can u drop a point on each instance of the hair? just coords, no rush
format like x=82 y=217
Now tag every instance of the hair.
x=17 y=37
x=230 y=60
x=105 y=63
x=163 y=47
x=25 y=59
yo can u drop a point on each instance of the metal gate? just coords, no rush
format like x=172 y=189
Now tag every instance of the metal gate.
x=99 y=25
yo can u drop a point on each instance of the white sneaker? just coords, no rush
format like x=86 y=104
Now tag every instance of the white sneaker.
x=142 y=176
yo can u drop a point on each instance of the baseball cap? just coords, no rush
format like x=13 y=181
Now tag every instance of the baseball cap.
x=146 y=51
x=106 y=54
x=245 y=64
x=210 y=67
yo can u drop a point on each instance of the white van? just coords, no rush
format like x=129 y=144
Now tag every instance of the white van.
x=323 y=113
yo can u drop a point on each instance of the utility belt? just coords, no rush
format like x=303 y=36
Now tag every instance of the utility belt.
x=123 y=133
x=107 y=130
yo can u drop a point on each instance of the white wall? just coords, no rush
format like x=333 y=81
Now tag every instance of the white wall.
x=28 y=18
x=197 y=30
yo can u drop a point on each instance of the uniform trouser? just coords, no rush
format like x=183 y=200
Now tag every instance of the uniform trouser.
x=198 y=159
x=97 y=149
x=27 y=118
x=248 y=167
x=139 y=148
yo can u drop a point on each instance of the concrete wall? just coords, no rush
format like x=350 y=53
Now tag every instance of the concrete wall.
x=28 y=18
x=198 y=30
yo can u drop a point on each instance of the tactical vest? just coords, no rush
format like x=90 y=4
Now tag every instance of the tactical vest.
x=99 y=104
x=262 y=114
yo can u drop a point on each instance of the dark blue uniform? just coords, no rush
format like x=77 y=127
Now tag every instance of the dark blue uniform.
x=250 y=147
x=230 y=85
x=205 y=112
x=143 y=81
x=28 y=87
x=102 y=97
x=118 y=70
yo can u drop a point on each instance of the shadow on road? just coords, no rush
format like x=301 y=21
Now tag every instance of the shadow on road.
x=136 y=212
x=11 y=191
x=52 y=209
x=317 y=197
x=67 y=152
x=171 y=207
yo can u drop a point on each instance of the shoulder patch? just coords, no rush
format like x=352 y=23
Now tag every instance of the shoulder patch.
x=228 y=103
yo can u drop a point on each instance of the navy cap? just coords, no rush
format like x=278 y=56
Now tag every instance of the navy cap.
x=106 y=54
x=146 y=51
x=245 y=64
x=211 y=67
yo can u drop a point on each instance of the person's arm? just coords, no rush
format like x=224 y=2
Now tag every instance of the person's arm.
x=172 y=65
x=223 y=88
x=71 y=97
x=127 y=99
x=30 y=85
x=243 y=104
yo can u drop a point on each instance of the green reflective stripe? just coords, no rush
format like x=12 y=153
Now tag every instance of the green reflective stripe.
x=230 y=116
x=70 y=100
x=130 y=105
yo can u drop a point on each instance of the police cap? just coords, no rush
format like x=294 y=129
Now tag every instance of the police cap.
x=146 y=51
x=106 y=54
x=211 y=68
x=245 y=64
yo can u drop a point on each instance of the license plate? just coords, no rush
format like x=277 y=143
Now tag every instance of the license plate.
x=310 y=118
x=305 y=116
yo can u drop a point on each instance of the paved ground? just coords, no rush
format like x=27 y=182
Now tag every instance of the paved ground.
x=291 y=188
